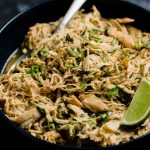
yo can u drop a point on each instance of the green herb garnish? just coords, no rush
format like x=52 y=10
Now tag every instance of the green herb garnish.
x=50 y=126
x=72 y=116
x=113 y=52
x=66 y=127
x=96 y=38
x=44 y=53
x=104 y=116
x=146 y=46
x=95 y=31
x=113 y=92
x=104 y=57
x=34 y=69
x=69 y=65
x=82 y=85
x=124 y=53
x=75 y=53
x=41 y=110
x=53 y=116
x=91 y=122
x=24 y=50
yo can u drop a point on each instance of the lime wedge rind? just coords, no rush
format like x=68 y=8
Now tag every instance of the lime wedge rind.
x=140 y=120
x=140 y=104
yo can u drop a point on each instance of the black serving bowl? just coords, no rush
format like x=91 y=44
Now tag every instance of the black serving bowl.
x=12 y=34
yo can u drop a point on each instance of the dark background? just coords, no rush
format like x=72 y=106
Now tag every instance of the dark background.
x=8 y=9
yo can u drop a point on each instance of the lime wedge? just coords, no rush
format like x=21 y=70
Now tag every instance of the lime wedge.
x=139 y=108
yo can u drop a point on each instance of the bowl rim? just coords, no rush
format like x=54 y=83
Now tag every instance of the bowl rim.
x=35 y=139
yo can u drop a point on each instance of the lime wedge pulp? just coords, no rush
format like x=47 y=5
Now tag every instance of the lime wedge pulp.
x=139 y=108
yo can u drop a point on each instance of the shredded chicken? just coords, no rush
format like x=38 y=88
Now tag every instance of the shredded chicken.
x=77 y=110
x=28 y=117
x=73 y=100
x=77 y=84
x=123 y=38
x=94 y=104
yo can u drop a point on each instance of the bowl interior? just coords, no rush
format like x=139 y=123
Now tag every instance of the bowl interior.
x=13 y=33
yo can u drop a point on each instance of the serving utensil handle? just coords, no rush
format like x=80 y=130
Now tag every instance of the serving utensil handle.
x=75 y=6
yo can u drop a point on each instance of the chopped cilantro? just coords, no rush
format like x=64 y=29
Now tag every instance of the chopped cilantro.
x=34 y=69
x=66 y=127
x=141 y=46
x=146 y=46
x=124 y=53
x=95 y=31
x=113 y=92
x=44 y=53
x=113 y=52
x=104 y=117
x=72 y=116
x=41 y=110
x=24 y=50
x=75 y=53
x=50 y=126
x=104 y=57
x=91 y=122
x=69 y=65
x=53 y=116
x=96 y=38
x=82 y=85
